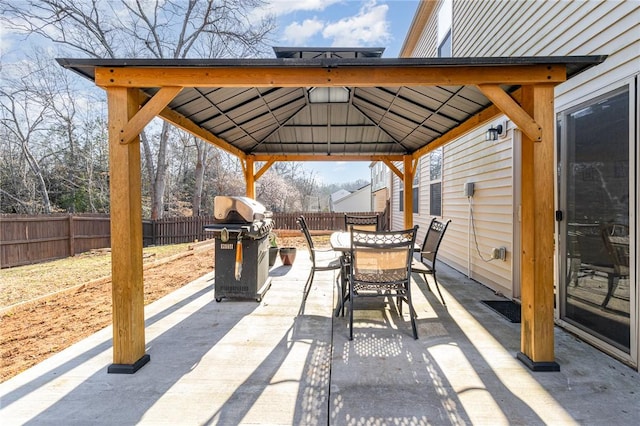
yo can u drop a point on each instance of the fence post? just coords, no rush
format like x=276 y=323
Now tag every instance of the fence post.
x=153 y=232
x=72 y=244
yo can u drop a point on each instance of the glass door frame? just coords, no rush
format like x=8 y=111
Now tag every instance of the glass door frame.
x=631 y=84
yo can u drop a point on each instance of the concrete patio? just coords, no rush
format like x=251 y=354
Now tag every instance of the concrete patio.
x=284 y=361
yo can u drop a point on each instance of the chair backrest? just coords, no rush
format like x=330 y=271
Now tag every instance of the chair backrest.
x=361 y=222
x=431 y=243
x=590 y=245
x=383 y=256
x=616 y=241
x=307 y=235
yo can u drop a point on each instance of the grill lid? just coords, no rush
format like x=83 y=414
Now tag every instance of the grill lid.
x=236 y=209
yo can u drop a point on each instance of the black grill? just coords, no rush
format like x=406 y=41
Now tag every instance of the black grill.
x=241 y=272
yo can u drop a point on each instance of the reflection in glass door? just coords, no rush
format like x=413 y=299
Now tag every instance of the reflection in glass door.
x=594 y=196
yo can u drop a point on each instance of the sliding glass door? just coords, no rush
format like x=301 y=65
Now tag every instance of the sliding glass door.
x=594 y=164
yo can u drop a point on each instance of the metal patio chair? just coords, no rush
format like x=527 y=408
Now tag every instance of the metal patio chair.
x=426 y=264
x=380 y=266
x=328 y=260
x=361 y=222
x=616 y=241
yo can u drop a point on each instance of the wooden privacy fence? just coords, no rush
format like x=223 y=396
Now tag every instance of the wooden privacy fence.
x=32 y=239
x=177 y=230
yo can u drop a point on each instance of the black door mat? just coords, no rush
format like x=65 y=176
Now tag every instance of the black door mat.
x=507 y=308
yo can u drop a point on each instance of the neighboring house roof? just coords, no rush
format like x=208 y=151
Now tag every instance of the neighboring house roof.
x=338 y=195
x=358 y=200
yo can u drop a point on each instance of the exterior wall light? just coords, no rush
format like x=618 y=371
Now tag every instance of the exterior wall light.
x=493 y=132
x=323 y=95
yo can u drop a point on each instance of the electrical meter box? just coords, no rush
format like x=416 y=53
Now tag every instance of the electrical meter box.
x=469 y=188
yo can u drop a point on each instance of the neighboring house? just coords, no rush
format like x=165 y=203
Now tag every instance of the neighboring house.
x=356 y=201
x=336 y=196
x=380 y=184
x=597 y=160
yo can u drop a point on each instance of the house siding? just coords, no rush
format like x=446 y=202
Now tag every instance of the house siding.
x=527 y=28
x=427 y=43
x=490 y=166
x=397 y=219
x=524 y=28
x=357 y=201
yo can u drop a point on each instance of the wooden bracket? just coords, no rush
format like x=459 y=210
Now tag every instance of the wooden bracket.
x=151 y=109
x=393 y=168
x=264 y=168
x=513 y=110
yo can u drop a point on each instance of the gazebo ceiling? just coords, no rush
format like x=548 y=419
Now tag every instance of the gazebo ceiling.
x=372 y=120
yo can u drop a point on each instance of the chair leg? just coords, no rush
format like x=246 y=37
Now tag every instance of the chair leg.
x=350 y=312
x=414 y=327
x=307 y=285
x=399 y=300
x=345 y=286
x=412 y=312
x=612 y=283
x=435 y=280
x=424 y=277
x=341 y=284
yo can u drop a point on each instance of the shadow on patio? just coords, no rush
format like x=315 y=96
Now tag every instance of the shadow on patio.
x=287 y=362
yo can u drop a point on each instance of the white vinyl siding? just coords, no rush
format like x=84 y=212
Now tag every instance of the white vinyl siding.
x=489 y=166
x=528 y=28
x=519 y=28
x=543 y=28
x=428 y=42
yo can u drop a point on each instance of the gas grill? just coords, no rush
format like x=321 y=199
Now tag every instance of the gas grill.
x=241 y=228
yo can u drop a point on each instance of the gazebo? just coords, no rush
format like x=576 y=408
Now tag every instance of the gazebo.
x=332 y=104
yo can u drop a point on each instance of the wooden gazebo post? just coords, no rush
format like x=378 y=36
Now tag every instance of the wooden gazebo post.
x=534 y=117
x=126 y=235
x=537 y=231
x=249 y=176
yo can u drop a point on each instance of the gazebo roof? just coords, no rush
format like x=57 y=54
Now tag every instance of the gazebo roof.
x=394 y=110
x=391 y=106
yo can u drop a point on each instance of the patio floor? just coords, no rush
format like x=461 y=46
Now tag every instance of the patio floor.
x=286 y=362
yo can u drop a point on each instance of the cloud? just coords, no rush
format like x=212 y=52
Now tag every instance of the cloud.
x=298 y=34
x=369 y=26
x=284 y=7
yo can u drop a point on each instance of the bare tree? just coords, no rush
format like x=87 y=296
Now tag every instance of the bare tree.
x=23 y=117
x=203 y=149
x=308 y=188
x=149 y=29
x=226 y=175
x=277 y=193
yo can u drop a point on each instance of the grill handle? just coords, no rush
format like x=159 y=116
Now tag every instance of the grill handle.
x=238 y=270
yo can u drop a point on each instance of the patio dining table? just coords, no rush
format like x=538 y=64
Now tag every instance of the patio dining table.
x=340 y=241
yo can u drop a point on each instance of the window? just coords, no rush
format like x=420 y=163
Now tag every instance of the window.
x=444 y=49
x=435 y=182
x=445 y=18
x=416 y=199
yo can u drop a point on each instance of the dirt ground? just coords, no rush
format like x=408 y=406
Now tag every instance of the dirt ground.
x=35 y=330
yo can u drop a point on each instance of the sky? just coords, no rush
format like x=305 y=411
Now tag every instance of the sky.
x=341 y=23
x=330 y=23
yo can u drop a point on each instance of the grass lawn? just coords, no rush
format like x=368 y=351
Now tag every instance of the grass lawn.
x=23 y=283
